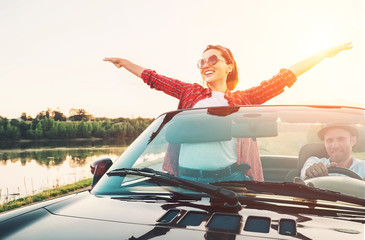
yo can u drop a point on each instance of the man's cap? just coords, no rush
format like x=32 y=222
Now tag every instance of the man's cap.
x=349 y=128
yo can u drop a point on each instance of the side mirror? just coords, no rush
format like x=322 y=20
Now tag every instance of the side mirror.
x=98 y=168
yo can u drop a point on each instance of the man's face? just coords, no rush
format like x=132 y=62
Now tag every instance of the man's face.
x=339 y=143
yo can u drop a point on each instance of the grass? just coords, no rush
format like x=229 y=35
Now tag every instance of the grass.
x=47 y=194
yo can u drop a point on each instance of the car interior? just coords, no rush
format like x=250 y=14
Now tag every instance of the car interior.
x=290 y=167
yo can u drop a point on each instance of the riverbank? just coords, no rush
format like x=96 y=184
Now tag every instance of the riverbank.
x=18 y=150
x=45 y=195
x=29 y=169
x=25 y=144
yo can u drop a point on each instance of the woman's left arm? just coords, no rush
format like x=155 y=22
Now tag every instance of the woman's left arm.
x=306 y=64
x=287 y=77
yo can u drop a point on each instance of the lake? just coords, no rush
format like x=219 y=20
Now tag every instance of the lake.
x=29 y=167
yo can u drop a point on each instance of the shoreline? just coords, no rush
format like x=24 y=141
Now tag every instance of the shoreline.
x=105 y=145
x=46 y=195
x=19 y=150
x=59 y=139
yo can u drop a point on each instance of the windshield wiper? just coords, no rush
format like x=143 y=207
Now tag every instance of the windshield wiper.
x=228 y=196
x=293 y=190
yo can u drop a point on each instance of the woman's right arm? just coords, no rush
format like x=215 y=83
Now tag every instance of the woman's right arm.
x=128 y=65
x=170 y=86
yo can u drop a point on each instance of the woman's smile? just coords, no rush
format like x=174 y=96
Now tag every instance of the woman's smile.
x=209 y=72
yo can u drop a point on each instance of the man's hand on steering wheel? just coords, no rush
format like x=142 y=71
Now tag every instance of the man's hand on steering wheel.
x=319 y=169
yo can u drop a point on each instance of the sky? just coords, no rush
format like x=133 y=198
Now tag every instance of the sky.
x=51 y=52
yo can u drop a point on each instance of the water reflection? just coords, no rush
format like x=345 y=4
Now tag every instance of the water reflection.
x=34 y=167
x=24 y=144
x=49 y=157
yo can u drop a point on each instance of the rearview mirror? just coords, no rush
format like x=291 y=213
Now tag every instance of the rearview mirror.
x=197 y=128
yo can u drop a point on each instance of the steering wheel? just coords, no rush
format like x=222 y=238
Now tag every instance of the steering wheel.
x=344 y=171
x=340 y=170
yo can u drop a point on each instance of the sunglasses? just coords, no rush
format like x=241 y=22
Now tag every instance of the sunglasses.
x=211 y=61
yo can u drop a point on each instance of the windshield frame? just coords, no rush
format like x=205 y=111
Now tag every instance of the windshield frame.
x=265 y=113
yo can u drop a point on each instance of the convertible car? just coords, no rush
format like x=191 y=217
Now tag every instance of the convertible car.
x=173 y=182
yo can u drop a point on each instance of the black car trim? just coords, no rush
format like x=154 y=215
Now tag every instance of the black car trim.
x=230 y=197
x=293 y=190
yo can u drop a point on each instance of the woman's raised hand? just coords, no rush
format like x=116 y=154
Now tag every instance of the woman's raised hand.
x=128 y=65
x=118 y=62
x=333 y=51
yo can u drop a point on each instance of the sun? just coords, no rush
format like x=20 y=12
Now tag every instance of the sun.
x=318 y=37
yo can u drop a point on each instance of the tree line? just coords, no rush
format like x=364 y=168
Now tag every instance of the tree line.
x=55 y=125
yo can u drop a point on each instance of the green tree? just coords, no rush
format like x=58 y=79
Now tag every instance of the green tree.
x=30 y=134
x=2 y=133
x=43 y=114
x=38 y=132
x=82 y=129
x=34 y=123
x=23 y=116
x=130 y=130
x=11 y=132
x=24 y=127
x=98 y=130
x=120 y=130
x=3 y=122
x=70 y=130
x=58 y=116
x=14 y=122
x=79 y=115
x=53 y=132
x=62 y=130
x=47 y=124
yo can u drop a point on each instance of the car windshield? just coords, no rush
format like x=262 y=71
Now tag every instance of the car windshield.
x=263 y=144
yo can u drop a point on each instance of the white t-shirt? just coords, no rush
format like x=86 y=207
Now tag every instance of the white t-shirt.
x=216 y=100
x=212 y=155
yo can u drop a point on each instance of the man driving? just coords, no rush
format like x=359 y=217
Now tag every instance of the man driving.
x=338 y=141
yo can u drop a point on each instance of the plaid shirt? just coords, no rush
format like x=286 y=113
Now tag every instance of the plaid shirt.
x=189 y=94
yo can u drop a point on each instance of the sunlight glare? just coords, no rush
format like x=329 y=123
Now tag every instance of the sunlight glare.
x=319 y=37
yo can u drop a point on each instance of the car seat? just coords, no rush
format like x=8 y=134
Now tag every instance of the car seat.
x=307 y=151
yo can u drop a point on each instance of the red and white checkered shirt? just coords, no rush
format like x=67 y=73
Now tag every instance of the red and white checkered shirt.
x=189 y=94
